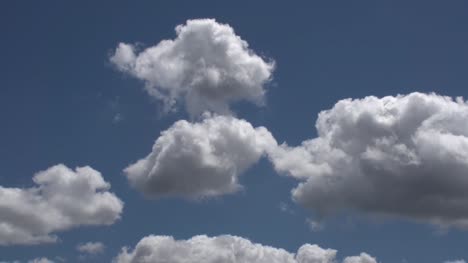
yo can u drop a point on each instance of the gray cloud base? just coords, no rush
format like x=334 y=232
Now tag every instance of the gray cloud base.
x=202 y=159
x=226 y=249
x=207 y=66
x=404 y=156
x=62 y=200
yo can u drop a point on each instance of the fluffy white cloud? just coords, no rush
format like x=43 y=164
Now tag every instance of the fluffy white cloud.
x=207 y=66
x=362 y=258
x=455 y=261
x=314 y=254
x=404 y=156
x=91 y=248
x=225 y=248
x=200 y=159
x=62 y=199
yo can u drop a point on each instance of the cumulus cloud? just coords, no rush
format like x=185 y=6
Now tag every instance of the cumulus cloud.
x=62 y=199
x=91 y=248
x=404 y=156
x=225 y=248
x=207 y=67
x=362 y=258
x=202 y=159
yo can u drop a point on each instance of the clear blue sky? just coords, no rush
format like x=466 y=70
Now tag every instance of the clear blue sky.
x=59 y=96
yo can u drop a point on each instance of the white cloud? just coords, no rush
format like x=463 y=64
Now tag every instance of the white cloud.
x=455 y=261
x=207 y=67
x=404 y=156
x=314 y=254
x=91 y=248
x=62 y=199
x=362 y=258
x=226 y=249
x=203 y=159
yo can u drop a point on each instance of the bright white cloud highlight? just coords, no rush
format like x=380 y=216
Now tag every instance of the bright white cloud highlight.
x=404 y=156
x=62 y=199
x=91 y=248
x=226 y=249
x=362 y=258
x=202 y=159
x=207 y=67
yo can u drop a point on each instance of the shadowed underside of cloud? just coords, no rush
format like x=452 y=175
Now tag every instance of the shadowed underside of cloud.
x=62 y=199
x=207 y=67
x=226 y=249
x=404 y=156
x=202 y=159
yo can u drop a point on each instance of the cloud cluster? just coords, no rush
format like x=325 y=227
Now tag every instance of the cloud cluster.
x=404 y=156
x=226 y=249
x=207 y=67
x=202 y=159
x=62 y=199
x=91 y=248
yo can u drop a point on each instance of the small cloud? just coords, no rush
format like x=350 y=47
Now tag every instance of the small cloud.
x=91 y=248
x=455 y=261
x=62 y=199
x=206 y=67
x=314 y=226
x=201 y=159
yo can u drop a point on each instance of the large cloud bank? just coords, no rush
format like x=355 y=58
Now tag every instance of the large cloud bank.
x=62 y=199
x=404 y=156
x=226 y=249
x=202 y=159
x=207 y=67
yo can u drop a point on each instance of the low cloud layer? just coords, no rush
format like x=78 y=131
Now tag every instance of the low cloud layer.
x=207 y=67
x=62 y=199
x=202 y=159
x=226 y=249
x=404 y=156
x=91 y=248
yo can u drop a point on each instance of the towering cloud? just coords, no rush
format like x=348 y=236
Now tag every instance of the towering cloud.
x=207 y=67
x=201 y=159
x=226 y=249
x=62 y=199
x=404 y=156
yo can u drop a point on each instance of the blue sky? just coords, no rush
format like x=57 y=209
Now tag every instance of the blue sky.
x=63 y=100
